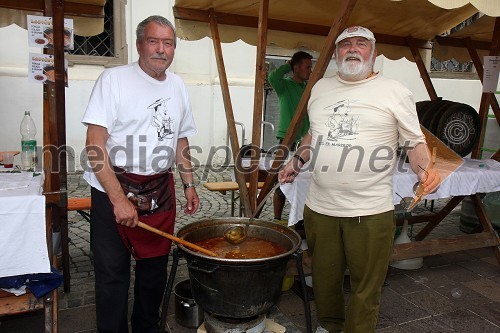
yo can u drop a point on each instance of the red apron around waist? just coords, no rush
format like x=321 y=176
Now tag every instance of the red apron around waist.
x=154 y=197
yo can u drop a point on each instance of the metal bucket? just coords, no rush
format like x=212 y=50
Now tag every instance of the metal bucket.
x=187 y=312
x=469 y=222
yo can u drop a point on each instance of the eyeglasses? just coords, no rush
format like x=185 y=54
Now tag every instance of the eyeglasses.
x=408 y=203
x=404 y=202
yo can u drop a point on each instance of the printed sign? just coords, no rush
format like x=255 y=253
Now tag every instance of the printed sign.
x=42 y=70
x=490 y=76
x=41 y=34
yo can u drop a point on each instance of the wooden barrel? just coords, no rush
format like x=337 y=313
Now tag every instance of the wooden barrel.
x=437 y=114
x=456 y=124
x=430 y=111
x=421 y=108
x=459 y=128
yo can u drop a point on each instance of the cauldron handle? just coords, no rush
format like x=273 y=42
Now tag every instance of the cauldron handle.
x=202 y=269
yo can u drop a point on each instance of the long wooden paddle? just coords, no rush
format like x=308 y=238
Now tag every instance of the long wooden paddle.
x=176 y=239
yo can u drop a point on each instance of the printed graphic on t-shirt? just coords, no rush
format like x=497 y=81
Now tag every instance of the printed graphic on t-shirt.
x=162 y=120
x=342 y=125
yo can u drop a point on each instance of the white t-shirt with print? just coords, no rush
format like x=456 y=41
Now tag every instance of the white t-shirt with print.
x=144 y=118
x=355 y=128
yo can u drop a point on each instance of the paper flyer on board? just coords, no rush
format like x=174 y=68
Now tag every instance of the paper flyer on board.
x=40 y=32
x=490 y=75
x=42 y=70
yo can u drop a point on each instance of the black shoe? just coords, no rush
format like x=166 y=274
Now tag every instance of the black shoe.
x=299 y=225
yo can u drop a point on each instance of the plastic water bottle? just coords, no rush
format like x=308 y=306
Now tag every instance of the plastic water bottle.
x=28 y=143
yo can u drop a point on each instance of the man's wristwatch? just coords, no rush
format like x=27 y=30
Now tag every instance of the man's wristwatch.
x=188 y=185
x=297 y=156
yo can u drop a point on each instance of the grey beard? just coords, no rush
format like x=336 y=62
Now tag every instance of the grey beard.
x=354 y=72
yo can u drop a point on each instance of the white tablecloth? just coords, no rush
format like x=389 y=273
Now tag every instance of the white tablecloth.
x=23 y=244
x=473 y=176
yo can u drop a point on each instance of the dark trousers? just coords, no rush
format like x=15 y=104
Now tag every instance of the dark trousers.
x=112 y=276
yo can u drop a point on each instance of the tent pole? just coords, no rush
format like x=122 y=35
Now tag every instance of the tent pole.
x=483 y=117
x=54 y=145
x=59 y=129
x=421 y=68
x=235 y=147
x=485 y=98
x=339 y=23
x=478 y=64
x=260 y=75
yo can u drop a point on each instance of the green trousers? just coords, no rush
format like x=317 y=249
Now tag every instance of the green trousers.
x=362 y=244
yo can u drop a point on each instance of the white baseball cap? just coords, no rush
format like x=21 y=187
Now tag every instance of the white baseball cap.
x=355 y=31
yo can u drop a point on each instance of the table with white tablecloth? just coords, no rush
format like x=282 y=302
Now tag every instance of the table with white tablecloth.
x=473 y=176
x=23 y=241
x=469 y=179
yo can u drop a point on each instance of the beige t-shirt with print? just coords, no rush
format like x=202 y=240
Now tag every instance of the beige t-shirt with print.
x=356 y=128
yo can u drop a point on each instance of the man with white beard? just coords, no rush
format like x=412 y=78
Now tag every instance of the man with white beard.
x=357 y=120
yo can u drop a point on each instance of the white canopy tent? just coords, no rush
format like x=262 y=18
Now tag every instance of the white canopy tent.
x=87 y=15
x=402 y=29
x=295 y=24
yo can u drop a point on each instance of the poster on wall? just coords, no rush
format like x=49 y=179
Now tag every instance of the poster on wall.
x=41 y=34
x=42 y=70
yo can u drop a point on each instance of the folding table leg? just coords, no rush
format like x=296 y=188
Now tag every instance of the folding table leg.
x=63 y=228
x=50 y=304
x=168 y=289
x=232 y=203
x=87 y=216
x=305 y=297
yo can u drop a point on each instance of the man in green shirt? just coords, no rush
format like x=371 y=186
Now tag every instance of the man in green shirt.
x=290 y=90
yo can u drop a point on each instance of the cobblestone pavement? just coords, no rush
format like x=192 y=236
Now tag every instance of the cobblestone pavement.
x=456 y=292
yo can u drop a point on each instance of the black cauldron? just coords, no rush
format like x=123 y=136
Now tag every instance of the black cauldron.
x=237 y=288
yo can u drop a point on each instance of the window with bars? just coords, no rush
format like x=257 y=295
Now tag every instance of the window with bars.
x=452 y=69
x=102 y=44
x=452 y=66
x=109 y=47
